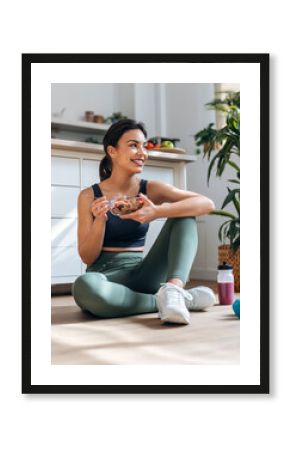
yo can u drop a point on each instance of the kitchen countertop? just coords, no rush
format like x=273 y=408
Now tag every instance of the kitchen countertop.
x=77 y=146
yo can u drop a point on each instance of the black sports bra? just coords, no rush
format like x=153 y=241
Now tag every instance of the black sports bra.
x=123 y=232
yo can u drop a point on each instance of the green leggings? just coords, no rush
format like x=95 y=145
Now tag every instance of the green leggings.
x=124 y=283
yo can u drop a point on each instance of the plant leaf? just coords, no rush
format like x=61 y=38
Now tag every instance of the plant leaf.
x=210 y=167
x=236 y=202
x=219 y=212
x=234 y=165
x=230 y=197
x=235 y=181
x=223 y=230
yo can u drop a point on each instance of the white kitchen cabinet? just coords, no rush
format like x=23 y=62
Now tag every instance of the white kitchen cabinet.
x=65 y=261
x=90 y=172
x=75 y=165
x=64 y=232
x=65 y=171
x=165 y=174
x=64 y=201
x=154 y=230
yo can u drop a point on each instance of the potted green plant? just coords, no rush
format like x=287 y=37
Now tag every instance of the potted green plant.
x=115 y=117
x=222 y=148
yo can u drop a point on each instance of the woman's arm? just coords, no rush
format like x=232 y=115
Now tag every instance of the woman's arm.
x=164 y=200
x=91 y=225
x=173 y=202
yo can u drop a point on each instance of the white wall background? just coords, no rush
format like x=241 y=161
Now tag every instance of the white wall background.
x=78 y=98
x=220 y=422
x=173 y=110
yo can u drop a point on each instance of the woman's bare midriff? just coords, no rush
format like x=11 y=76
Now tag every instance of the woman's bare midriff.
x=123 y=249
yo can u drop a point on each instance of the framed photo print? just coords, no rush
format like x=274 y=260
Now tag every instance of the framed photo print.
x=145 y=251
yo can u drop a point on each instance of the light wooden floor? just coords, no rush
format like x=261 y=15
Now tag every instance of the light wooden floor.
x=213 y=337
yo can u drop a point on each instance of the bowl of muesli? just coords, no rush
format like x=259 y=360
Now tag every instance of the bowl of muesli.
x=126 y=205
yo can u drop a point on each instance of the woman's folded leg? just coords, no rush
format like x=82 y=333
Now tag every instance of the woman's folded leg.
x=103 y=298
x=171 y=256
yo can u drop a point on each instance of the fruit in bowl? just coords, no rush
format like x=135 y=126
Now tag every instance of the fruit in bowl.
x=156 y=142
x=126 y=205
x=149 y=145
x=167 y=144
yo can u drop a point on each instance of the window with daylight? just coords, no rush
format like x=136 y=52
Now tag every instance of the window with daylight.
x=220 y=92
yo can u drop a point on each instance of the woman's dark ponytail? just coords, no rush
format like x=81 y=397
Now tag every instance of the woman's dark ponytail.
x=105 y=168
x=112 y=137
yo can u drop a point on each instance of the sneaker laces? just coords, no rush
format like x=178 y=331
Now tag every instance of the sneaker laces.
x=173 y=287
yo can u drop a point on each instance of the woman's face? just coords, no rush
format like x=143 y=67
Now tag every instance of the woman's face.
x=130 y=153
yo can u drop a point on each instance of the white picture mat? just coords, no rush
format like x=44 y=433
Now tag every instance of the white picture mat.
x=247 y=372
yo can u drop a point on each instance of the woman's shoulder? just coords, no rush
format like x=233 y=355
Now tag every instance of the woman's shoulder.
x=155 y=185
x=156 y=189
x=86 y=194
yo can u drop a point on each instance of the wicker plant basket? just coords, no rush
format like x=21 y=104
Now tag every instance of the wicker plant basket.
x=226 y=254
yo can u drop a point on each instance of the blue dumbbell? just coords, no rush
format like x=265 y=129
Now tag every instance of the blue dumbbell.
x=236 y=307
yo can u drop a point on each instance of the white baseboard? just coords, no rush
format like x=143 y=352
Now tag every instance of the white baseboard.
x=203 y=274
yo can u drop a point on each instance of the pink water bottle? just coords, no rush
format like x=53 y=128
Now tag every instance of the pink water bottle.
x=225 y=280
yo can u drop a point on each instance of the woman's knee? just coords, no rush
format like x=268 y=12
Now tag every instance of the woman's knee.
x=186 y=223
x=93 y=293
x=185 y=231
x=87 y=286
x=191 y=223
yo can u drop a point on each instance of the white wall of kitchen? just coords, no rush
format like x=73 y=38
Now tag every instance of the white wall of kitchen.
x=77 y=98
x=174 y=110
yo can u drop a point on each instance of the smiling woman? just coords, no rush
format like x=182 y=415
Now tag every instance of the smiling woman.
x=119 y=281
x=122 y=140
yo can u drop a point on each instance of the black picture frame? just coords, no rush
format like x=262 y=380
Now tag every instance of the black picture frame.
x=250 y=58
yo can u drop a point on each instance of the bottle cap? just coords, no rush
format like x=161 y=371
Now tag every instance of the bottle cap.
x=225 y=266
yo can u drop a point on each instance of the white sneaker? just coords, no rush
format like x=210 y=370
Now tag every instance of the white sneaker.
x=170 y=301
x=201 y=298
